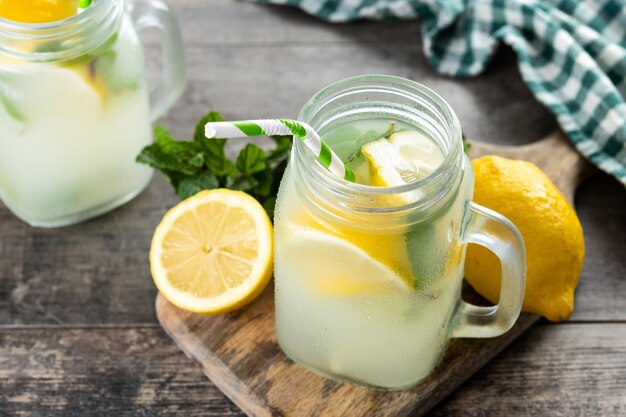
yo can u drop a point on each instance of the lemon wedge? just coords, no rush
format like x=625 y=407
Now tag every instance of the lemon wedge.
x=423 y=155
x=353 y=249
x=351 y=271
x=213 y=253
x=387 y=166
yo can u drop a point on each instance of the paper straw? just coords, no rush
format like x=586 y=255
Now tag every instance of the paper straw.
x=83 y=4
x=273 y=127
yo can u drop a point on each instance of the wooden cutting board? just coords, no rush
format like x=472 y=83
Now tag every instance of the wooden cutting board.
x=238 y=351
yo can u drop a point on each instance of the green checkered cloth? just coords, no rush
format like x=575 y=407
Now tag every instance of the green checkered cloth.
x=571 y=54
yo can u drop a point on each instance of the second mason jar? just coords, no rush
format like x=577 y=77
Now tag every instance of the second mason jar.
x=368 y=279
x=75 y=111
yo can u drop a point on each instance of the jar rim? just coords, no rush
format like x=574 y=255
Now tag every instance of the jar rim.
x=100 y=19
x=435 y=185
x=16 y=26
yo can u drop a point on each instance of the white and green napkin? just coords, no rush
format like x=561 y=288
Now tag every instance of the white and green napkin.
x=571 y=54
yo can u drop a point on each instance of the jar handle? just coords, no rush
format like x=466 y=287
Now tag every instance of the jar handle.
x=487 y=228
x=157 y=14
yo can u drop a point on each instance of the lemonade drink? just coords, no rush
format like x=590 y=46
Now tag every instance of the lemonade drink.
x=74 y=111
x=69 y=136
x=366 y=304
x=368 y=275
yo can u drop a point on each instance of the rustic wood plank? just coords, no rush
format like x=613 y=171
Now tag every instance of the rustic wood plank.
x=101 y=372
x=550 y=371
x=96 y=272
x=601 y=206
x=488 y=106
x=282 y=80
x=553 y=370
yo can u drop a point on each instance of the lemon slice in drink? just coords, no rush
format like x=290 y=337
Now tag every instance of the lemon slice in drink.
x=387 y=166
x=361 y=261
x=349 y=270
x=212 y=253
x=417 y=150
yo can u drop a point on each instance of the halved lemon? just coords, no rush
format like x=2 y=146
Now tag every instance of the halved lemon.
x=213 y=253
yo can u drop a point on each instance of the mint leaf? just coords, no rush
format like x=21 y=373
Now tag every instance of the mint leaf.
x=264 y=181
x=198 y=134
x=201 y=164
x=367 y=137
x=426 y=252
x=216 y=160
x=197 y=160
x=218 y=163
x=215 y=157
x=154 y=156
x=100 y=64
x=169 y=154
x=251 y=160
x=192 y=185
x=170 y=145
x=245 y=184
x=466 y=144
x=10 y=107
x=5 y=100
x=103 y=65
x=281 y=152
x=52 y=46
x=269 y=205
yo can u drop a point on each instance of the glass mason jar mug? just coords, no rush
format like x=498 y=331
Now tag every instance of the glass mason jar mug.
x=75 y=111
x=368 y=279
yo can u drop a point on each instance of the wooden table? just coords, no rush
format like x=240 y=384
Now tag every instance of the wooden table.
x=78 y=335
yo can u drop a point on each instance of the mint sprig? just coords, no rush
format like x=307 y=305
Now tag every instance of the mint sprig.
x=466 y=144
x=370 y=136
x=6 y=101
x=201 y=164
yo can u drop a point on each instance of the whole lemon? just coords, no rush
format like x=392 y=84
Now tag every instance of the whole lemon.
x=552 y=233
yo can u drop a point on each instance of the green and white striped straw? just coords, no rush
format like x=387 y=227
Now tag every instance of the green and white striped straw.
x=83 y=4
x=274 y=127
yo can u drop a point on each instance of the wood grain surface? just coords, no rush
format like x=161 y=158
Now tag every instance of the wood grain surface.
x=136 y=371
x=89 y=285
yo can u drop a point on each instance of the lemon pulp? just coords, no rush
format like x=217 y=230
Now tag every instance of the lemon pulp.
x=213 y=252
